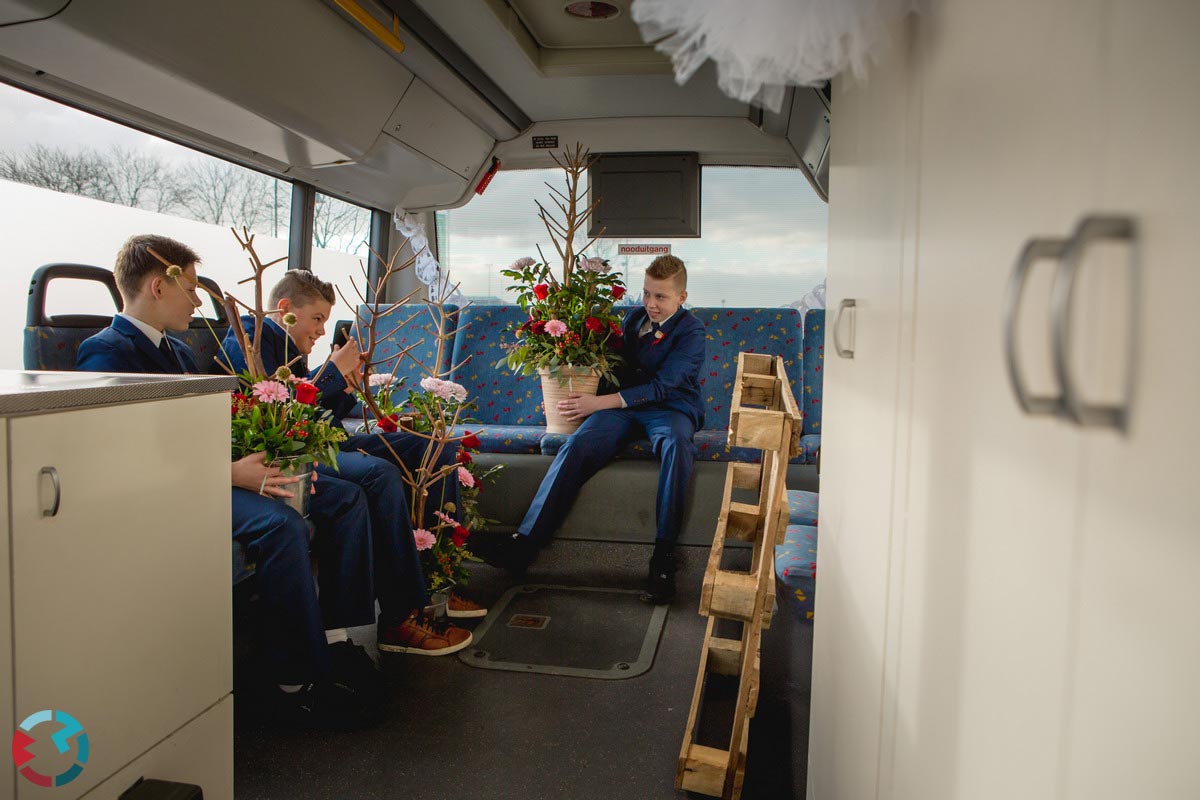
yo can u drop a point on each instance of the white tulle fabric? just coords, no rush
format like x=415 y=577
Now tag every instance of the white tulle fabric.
x=762 y=46
x=426 y=267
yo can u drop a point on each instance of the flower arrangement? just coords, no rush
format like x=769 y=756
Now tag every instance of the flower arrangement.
x=281 y=418
x=432 y=410
x=278 y=414
x=569 y=324
x=571 y=320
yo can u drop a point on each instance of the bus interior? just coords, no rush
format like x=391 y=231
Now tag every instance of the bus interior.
x=965 y=264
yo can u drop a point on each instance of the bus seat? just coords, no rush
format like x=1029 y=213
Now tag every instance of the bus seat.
x=813 y=357
x=52 y=342
x=796 y=569
x=206 y=343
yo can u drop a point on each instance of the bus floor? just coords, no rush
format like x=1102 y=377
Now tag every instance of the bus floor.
x=455 y=732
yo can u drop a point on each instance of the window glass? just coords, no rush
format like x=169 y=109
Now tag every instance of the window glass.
x=341 y=245
x=763 y=239
x=74 y=187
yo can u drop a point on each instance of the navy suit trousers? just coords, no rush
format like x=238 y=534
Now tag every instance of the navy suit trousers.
x=411 y=449
x=277 y=542
x=598 y=440
x=399 y=583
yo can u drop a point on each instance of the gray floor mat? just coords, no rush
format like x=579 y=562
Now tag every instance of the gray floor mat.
x=569 y=630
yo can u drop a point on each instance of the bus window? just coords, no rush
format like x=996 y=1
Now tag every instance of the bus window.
x=762 y=243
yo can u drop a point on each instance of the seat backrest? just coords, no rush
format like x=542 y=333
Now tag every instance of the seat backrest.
x=503 y=398
x=204 y=335
x=52 y=342
x=771 y=331
x=407 y=325
x=814 y=368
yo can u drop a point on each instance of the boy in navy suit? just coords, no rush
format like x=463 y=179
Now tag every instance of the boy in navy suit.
x=310 y=301
x=659 y=397
x=325 y=678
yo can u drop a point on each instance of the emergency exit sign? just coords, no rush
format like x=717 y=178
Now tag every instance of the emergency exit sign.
x=643 y=249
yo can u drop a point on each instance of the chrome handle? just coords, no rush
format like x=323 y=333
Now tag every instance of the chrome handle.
x=843 y=352
x=1034 y=250
x=53 y=510
x=1092 y=229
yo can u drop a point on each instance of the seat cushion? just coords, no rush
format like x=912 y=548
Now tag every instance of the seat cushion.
x=809 y=443
x=638 y=450
x=509 y=438
x=796 y=569
x=802 y=507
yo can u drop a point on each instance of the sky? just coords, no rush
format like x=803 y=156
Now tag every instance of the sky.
x=763 y=230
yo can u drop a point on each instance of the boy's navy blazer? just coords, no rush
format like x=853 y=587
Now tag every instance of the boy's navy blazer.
x=278 y=349
x=664 y=371
x=121 y=347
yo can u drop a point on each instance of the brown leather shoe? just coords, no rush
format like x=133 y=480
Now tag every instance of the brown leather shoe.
x=460 y=607
x=423 y=637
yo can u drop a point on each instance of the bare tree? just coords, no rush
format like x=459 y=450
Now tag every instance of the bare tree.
x=338 y=225
x=56 y=169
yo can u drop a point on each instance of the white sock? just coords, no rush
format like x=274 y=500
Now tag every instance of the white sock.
x=336 y=635
x=291 y=688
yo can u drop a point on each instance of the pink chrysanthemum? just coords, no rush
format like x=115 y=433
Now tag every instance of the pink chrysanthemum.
x=424 y=539
x=466 y=478
x=522 y=263
x=556 y=327
x=382 y=379
x=447 y=390
x=446 y=518
x=271 y=392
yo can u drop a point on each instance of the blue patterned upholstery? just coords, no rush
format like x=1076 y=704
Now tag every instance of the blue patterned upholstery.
x=773 y=331
x=203 y=344
x=814 y=365
x=508 y=438
x=802 y=507
x=407 y=325
x=503 y=398
x=808 y=448
x=54 y=348
x=796 y=569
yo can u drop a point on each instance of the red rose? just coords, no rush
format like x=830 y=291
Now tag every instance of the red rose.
x=618 y=292
x=616 y=329
x=594 y=325
x=463 y=457
x=306 y=392
x=471 y=441
x=388 y=423
x=541 y=291
x=460 y=535
x=537 y=328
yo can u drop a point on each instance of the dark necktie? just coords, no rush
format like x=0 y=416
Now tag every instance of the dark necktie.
x=165 y=348
x=654 y=328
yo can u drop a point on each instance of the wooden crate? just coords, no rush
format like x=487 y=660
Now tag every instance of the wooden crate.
x=763 y=415
x=718 y=772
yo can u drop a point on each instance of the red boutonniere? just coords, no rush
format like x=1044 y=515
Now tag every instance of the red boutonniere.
x=658 y=337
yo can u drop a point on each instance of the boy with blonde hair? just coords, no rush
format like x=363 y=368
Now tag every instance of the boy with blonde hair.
x=659 y=398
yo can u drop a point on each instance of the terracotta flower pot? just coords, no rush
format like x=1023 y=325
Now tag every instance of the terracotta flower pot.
x=574 y=380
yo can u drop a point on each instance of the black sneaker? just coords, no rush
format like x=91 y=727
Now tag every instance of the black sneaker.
x=513 y=552
x=353 y=667
x=327 y=705
x=660 y=582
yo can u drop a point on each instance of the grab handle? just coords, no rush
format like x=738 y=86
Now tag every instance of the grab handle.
x=1034 y=250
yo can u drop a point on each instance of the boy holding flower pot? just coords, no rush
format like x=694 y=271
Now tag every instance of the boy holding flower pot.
x=662 y=345
x=300 y=304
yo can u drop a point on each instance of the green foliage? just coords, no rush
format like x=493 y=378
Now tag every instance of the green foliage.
x=583 y=304
x=268 y=418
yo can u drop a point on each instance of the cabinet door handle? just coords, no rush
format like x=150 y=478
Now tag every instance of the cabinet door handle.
x=53 y=509
x=844 y=352
x=1034 y=250
x=1091 y=229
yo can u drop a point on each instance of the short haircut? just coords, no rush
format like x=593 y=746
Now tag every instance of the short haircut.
x=135 y=262
x=301 y=287
x=665 y=267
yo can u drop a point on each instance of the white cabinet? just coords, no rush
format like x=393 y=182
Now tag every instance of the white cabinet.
x=121 y=599
x=1002 y=605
